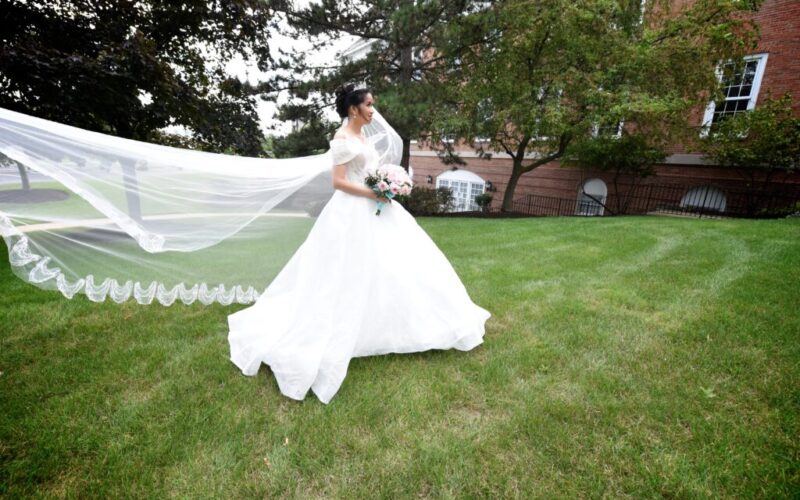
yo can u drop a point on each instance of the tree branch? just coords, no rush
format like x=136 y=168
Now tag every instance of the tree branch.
x=562 y=146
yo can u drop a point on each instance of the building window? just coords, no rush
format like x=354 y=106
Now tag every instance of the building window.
x=705 y=198
x=611 y=130
x=591 y=198
x=465 y=185
x=740 y=85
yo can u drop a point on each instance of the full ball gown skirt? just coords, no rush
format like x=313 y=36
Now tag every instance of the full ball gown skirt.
x=359 y=285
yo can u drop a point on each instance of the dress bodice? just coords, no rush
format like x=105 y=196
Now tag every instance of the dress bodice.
x=356 y=154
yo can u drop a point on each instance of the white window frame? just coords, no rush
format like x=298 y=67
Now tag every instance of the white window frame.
x=615 y=135
x=596 y=125
x=540 y=93
x=708 y=116
x=587 y=206
x=466 y=202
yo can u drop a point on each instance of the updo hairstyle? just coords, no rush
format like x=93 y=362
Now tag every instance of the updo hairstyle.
x=347 y=96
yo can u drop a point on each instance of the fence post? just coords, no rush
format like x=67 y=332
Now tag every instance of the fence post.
x=649 y=197
x=702 y=205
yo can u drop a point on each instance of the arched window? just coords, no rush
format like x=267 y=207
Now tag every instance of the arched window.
x=705 y=197
x=465 y=185
x=591 y=198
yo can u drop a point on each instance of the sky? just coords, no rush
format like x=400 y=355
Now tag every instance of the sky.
x=245 y=70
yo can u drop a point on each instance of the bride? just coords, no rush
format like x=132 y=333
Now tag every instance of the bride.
x=119 y=220
x=359 y=285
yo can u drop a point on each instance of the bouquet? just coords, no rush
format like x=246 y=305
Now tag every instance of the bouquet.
x=388 y=181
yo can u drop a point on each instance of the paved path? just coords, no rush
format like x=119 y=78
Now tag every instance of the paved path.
x=11 y=176
x=46 y=226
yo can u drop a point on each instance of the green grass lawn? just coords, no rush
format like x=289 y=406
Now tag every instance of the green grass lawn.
x=77 y=207
x=635 y=356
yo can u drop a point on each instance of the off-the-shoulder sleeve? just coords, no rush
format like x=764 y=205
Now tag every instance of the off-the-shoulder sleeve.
x=343 y=151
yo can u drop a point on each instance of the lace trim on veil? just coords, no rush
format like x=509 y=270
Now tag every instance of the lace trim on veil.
x=21 y=257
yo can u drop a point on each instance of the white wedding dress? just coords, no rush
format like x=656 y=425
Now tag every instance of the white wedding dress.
x=360 y=284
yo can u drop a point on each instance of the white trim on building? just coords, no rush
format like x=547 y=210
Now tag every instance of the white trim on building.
x=741 y=93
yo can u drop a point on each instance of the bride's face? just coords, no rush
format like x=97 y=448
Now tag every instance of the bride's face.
x=365 y=111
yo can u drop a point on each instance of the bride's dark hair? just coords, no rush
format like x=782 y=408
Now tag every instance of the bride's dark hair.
x=347 y=96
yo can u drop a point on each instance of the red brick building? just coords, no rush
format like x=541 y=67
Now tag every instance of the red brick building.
x=774 y=66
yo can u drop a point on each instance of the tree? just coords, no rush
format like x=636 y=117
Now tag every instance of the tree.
x=130 y=68
x=758 y=144
x=397 y=69
x=629 y=156
x=537 y=77
x=308 y=139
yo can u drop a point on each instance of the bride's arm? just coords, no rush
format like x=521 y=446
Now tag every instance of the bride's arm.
x=340 y=182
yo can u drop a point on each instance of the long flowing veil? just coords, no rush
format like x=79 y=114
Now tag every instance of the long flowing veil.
x=85 y=212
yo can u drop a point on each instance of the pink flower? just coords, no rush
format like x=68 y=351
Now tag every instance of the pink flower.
x=383 y=186
x=395 y=188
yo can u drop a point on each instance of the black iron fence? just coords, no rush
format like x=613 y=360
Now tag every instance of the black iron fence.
x=700 y=200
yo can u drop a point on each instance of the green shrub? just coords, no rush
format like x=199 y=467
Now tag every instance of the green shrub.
x=484 y=200
x=426 y=201
x=787 y=211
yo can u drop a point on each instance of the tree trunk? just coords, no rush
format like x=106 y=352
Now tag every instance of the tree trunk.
x=23 y=175
x=132 y=190
x=129 y=176
x=508 y=196
x=406 y=72
x=406 y=160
